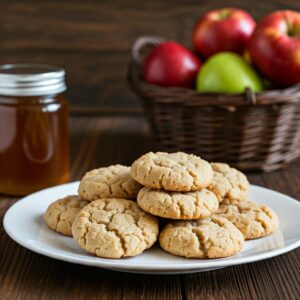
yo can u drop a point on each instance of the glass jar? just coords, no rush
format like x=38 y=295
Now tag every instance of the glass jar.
x=34 y=141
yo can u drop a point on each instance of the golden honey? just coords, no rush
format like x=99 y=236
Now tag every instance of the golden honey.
x=34 y=141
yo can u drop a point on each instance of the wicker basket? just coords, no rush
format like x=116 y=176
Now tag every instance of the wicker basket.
x=251 y=131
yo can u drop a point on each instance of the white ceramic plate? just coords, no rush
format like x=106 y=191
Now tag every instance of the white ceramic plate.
x=24 y=223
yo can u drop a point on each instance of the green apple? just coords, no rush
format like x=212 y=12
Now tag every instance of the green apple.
x=227 y=72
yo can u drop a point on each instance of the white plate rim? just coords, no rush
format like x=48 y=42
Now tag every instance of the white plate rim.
x=123 y=263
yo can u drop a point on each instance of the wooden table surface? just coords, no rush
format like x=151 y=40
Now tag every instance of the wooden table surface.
x=105 y=140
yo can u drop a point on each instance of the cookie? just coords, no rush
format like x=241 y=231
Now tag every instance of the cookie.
x=213 y=237
x=179 y=206
x=109 y=182
x=252 y=219
x=178 y=172
x=114 y=228
x=227 y=200
x=228 y=182
x=60 y=214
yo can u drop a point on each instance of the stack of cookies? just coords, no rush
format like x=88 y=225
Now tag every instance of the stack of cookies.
x=102 y=218
x=204 y=208
x=176 y=186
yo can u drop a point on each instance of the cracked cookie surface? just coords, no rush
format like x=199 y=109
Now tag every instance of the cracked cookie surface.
x=179 y=171
x=228 y=182
x=60 y=215
x=179 y=206
x=108 y=182
x=114 y=228
x=252 y=219
x=213 y=237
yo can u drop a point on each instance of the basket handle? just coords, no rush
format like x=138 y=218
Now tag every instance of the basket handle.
x=140 y=44
x=250 y=96
x=136 y=61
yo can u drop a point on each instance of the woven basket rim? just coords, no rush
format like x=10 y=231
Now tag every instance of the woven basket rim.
x=192 y=97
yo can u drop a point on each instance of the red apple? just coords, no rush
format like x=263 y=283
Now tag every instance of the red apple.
x=275 y=47
x=171 y=64
x=226 y=29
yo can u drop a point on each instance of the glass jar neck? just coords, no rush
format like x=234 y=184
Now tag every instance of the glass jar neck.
x=43 y=99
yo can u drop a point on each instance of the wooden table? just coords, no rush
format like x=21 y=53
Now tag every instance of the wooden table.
x=111 y=139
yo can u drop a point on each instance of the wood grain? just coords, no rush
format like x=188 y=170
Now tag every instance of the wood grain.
x=111 y=139
x=92 y=39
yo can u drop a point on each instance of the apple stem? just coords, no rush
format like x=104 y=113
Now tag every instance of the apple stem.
x=225 y=14
x=291 y=29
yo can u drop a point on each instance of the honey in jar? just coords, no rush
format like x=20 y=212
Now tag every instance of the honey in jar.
x=34 y=142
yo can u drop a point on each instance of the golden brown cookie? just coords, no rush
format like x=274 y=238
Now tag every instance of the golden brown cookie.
x=227 y=200
x=252 y=219
x=60 y=214
x=179 y=206
x=108 y=182
x=178 y=172
x=228 y=182
x=114 y=228
x=214 y=237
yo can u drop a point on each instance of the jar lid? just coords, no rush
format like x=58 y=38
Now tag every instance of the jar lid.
x=31 y=80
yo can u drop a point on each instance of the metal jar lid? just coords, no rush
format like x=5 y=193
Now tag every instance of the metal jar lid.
x=31 y=80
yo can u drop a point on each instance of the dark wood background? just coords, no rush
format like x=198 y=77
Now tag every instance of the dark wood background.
x=91 y=39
